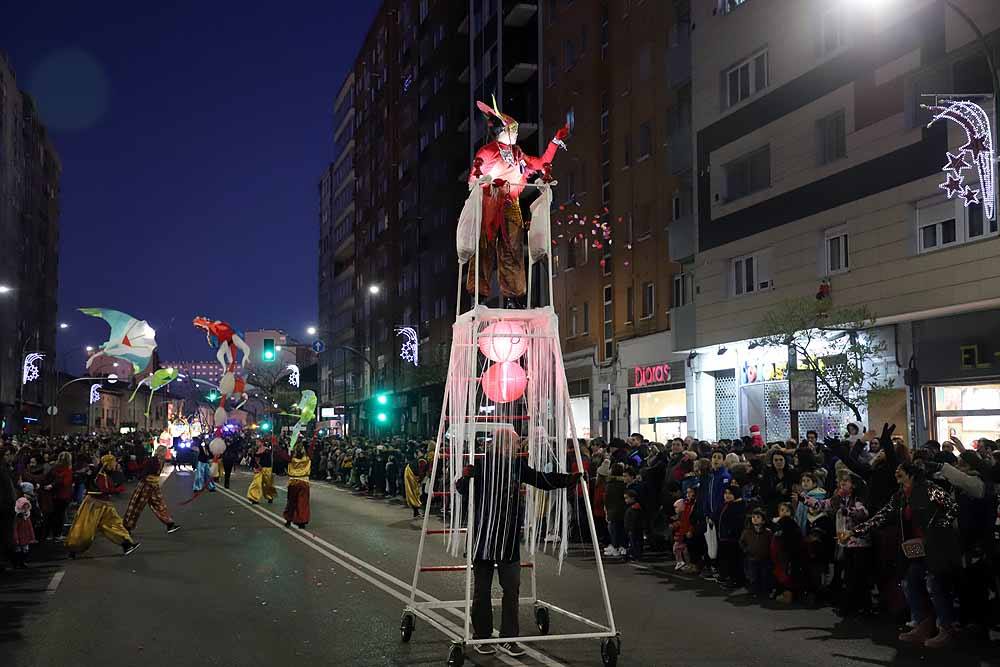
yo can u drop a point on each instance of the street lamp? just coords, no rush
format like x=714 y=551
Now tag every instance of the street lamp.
x=374 y=289
x=89 y=348
x=311 y=331
x=63 y=325
x=4 y=289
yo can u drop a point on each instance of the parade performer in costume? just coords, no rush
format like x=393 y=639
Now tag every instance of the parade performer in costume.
x=96 y=513
x=224 y=337
x=148 y=493
x=297 y=505
x=262 y=485
x=501 y=241
x=413 y=475
x=498 y=511
x=203 y=471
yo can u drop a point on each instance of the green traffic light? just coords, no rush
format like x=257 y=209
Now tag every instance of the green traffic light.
x=265 y=426
x=383 y=399
x=382 y=417
x=268 y=356
x=213 y=396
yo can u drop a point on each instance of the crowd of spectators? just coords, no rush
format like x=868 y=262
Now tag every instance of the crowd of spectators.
x=864 y=523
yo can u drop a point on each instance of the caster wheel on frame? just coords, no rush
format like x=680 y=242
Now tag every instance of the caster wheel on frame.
x=456 y=656
x=406 y=626
x=610 y=650
x=542 y=620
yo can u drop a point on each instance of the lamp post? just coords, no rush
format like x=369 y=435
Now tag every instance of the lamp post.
x=315 y=331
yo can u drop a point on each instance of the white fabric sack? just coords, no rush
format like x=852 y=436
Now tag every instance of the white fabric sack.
x=540 y=232
x=470 y=222
x=712 y=540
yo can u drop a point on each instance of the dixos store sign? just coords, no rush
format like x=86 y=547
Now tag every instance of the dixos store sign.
x=645 y=376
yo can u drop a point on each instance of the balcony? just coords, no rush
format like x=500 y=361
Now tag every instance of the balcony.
x=682 y=326
x=682 y=241
x=679 y=151
x=517 y=14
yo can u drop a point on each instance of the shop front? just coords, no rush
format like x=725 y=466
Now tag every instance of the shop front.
x=657 y=403
x=655 y=397
x=958 y=370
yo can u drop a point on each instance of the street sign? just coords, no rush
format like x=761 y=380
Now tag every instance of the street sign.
x=318 y=346
x=605 y=405
x=52 y=411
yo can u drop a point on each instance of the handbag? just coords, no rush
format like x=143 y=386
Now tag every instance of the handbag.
x=914 y=548
x=712 y=540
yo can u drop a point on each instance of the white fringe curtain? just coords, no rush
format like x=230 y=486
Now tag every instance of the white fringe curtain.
x=476 y=424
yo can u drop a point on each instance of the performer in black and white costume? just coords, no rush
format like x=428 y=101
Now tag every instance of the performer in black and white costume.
x=499 y=510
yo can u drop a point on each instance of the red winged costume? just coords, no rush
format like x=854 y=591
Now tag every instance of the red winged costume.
x=501 y=240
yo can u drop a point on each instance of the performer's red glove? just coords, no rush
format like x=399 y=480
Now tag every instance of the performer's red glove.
x=499 y=183
x=575 y=478
x=562 y=133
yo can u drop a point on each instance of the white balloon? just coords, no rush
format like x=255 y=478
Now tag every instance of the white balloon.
x=227 y=384
x=220 y=416
x=217 y=446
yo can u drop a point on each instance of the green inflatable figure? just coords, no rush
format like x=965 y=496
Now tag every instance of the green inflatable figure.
x=158 y=379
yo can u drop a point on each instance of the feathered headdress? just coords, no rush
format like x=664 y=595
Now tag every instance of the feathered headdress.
x=498 y=121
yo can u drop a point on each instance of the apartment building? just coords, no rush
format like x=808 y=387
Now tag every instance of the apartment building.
x=621 y=72
x=815 y=161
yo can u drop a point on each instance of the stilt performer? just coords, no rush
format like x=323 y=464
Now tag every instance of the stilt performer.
x=148 y=493
x=507 y=167
x=96 y=513
x=297 y=505
x=262 y=486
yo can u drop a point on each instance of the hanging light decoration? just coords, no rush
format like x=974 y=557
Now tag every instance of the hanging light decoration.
x=504 y=382
x=503 y=341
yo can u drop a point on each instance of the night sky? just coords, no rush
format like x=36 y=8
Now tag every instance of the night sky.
x=192 y=140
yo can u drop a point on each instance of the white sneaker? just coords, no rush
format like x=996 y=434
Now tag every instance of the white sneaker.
x=610 y=550
x=622 y=552
x=679 y=565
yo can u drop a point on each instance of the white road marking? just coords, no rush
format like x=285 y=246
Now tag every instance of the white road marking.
x=345 y=559
x=55 y=581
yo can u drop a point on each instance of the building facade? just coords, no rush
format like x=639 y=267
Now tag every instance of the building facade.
x=620 y=73
x=815 y=161
x=29 y=232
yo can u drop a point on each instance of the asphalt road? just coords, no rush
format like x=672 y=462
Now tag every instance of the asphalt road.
x=234 y=587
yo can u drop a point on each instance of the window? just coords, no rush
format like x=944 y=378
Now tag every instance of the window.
x=572 y=321
x=629 y=305
x=950 y=223
x=750 y=273
x=627 y=142
x=837 y=260
x=648 y=300
x=605 y=111
x=746 y=78
x=682 y=292
x=604 y=32
x=569 y=54
x=731 y=5
x=586 y=318
x=609 y=323
x=606 y=260
x=832 y=35
x=748 y=174
x=677 y=208
x=832 y=137
x=645 y=140
x=577 y=255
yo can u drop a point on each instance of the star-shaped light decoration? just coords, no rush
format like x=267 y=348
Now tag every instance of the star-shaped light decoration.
x=956 y=164
x=952 y=186
x=969 y=196
x=976 y=145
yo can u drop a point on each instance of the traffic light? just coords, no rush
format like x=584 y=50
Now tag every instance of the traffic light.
x=382 y=407
x=265 y=426
x=213 y=396
x=267 y=354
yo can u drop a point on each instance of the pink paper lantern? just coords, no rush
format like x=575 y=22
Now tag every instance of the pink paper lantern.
x=504 y=382
x=503 y=341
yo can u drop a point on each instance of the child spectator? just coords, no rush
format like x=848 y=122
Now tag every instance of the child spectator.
x=756 y=544
x=24 y=532
x=682 y=529
x=633 y=524
x=786 y=554
x=817 y=531
x=732 y=518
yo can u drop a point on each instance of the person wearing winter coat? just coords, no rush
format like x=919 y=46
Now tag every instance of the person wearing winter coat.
x=633 y=524
x=755 y=541
x=776 y=482
x=732 y=520
x=787 y=554
x=929 y=552
x=614 y=506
